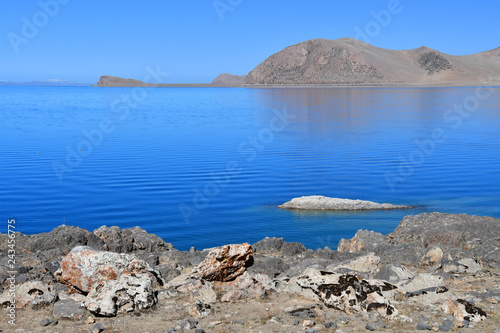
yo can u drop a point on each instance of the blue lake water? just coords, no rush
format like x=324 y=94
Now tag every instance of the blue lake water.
x=208 y=166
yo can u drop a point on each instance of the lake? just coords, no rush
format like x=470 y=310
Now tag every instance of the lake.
x=205 y=167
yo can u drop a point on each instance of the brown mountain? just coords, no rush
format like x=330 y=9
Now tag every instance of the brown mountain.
x=347 y=61
x=225 y=79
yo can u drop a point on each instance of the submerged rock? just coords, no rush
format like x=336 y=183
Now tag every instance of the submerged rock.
x=319 y=202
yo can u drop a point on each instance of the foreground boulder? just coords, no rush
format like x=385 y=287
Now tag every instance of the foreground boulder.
x=346 y=292
x=319 y=202
x=225 y=263
x=112 y=282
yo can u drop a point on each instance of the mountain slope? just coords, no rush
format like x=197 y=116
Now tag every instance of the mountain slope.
x=348 y=61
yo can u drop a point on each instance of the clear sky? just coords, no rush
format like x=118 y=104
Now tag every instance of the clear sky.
x=194 y=41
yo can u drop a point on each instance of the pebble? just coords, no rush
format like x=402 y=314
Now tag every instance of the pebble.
x=446 y=326
x=330 y=324
x=308 y=323
x=199 y=330
x=90 y=320
x=46 y=322
x=98 y=328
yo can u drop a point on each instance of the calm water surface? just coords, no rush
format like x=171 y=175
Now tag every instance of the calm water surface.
x=205 y=167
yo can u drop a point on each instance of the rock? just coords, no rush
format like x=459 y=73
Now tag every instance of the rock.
x=375 y=326
x=463 y=265
x=432 y=257
x=421 y=282
x=269 y=266
x=368 y=263
x=462 y=310
x=248 y=285
x=68 y=309
x=330 y=324
x=62 y=238
x=188 y=324
x=131 y=240
x=200 y=291
x=31 y=293
x=426 y=230
x=429 y=296
x=199 y=330
x=113 y=282
x=308 y=323
x=292 y=249
x=366 y=240
x=302 y=312
x=200 y=309
x=422 y=326
x=395 y=274
x=319 y=202
x=46 y=322
x=268 y=245
x=97 y=328
x=446 y=326
x=225 y=263
x=346 y=292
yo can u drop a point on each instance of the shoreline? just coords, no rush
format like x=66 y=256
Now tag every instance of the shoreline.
x=428 y=268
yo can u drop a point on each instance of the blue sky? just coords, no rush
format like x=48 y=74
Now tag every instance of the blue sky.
x=194 y=41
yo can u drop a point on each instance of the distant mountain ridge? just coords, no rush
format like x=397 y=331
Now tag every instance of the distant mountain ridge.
x=347 y=61
x=350 y=62
x=48 y=83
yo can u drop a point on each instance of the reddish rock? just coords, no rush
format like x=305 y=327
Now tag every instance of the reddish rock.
x=225 y=263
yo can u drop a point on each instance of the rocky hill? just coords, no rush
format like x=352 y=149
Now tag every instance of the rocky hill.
x=229 y=80
x=347 y=61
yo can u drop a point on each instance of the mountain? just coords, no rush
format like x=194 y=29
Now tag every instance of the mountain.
x=225 y=79
x=347 y=61
x=114 y=81
x=48 y=83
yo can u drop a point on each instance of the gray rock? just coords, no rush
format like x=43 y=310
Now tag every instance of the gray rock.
x=446 y=230
x=63 y=238
x=68 y=309
x=46 y=322
x=131 y=240
x=199 y=330
x=268 y=245
x=394 y=274
x=423 y=326
x=319 y=202
x=363 y=240
x=330 y=324
x=97 y=328
x=268 y=265
x=292 y=249
x=446 y=326
x=188 y=324
x=370 y=327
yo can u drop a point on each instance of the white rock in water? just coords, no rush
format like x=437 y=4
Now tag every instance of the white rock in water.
x=320 y=202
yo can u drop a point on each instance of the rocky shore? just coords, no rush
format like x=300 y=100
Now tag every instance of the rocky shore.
x=434 y=272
